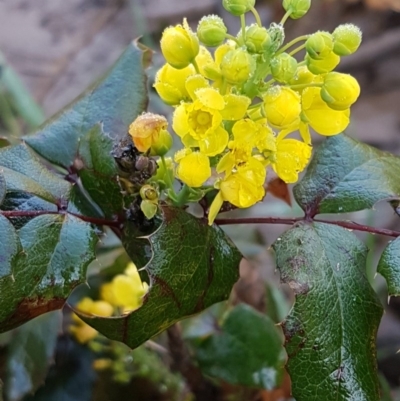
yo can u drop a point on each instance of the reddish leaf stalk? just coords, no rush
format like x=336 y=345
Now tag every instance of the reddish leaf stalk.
x=277 y=220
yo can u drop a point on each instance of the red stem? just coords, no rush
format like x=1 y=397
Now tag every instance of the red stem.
x=35 y=213
x=277 y=220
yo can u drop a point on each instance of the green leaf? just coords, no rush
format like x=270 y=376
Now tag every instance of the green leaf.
x=192 y=267
x=9 y=247
x=346 y=175
x=56 y=252
x=115 y=101
x=246 y=351
x=331 y=330
x=99 y=172
x=23 y=171
x=389 y=266
x=29 y=354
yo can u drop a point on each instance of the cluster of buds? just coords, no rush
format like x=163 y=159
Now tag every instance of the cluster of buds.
x=122 y=295
x=235 y=108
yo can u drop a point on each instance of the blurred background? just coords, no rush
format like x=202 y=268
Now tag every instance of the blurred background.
x=53 y=49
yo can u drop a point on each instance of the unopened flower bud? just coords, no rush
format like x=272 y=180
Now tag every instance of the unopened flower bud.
x=170 y=83
x=277 y=35
x=297 y=7
x=283 y=67
x=319 y=45
x=282 y=106
x=238 y=7
x=179 y=45
x=237 y=66
x=339 y=91
x=211 y=30
x=148 y=208
x=193 y=169
x=323 y=66
x=163 y=144
x=347 y=38
x=145 y=130
x=147 y=192
x=257 y=39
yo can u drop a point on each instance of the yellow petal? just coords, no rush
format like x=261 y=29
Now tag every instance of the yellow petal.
x=215 y=208
x=320 y=116
x=215 y=143
x=210 y=98
x=180 y=120
x=194 y=83
x=194 y=169
x=235 y=107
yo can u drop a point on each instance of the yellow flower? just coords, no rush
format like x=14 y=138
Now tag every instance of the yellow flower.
x=179 y=45
x=282 y=106
x=82 y=331
x=247 y=135
x=291 y=157
x=145 y=130
x=199 y=124
x=243 y=188
x=125 y=290
x=193 y=169
x=170 y=83
x=320 y=116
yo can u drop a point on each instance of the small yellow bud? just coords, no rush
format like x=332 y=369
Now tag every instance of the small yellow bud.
x=283 y=67
x=319 y=45
x=170 y=83
x=145 y=130
x=211 y=30
x=339 y=91
x=238 y=7
x=282 y=106
x=347 y=38
x=179 y=45
x=303 y=76
x=297 y=7
x=257 y=39
x=322 y=66
x=237 y=66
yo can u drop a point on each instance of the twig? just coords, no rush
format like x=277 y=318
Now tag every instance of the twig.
x=35 y=213
x=182 y=363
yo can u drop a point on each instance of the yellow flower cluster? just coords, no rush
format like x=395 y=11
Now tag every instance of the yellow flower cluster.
x=123 y=294
x=235 y=108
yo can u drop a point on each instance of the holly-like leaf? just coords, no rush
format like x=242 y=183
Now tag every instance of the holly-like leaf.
x=29 y=354
x=346 y=175
x=23 y=171
x=115 y=101
x=389 y=266
x=192 y=266
x=99 y=171
x=56 y=250
x=246 y=351
x=331 y=330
